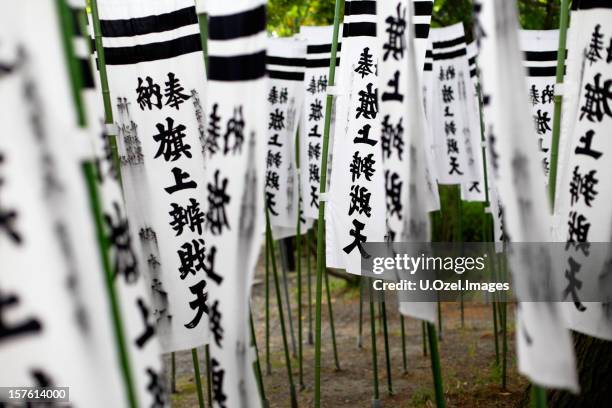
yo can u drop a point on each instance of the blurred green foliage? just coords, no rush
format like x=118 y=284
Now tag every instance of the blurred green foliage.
x=286 y=16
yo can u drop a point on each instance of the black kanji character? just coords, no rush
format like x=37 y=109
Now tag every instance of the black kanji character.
x=365 y=63
x=448 y=113
x=578 y=230
x=272 y=180
x=235 y=128
x=277 y=120
x=586 y=149
x=284 y=96
x=595 y=46
x=173 y=92
x=126 y=263
x=362 y=166
x=475 y=186
x=157 y=389
x=447 y=94
x=534 y=95
x=368 y=100
x=359 y=239
x=573 y=283
x=314 y=131
x=450 y=72
x=274 y=159
x=312 y=86
x=454 y=166
x=365 y=136
x=209 y=266
x=597 y=100
x=396 y=26
x=393 y=189
x=392 y=137
x=314 y=196
x=450 y=128
x=170 y=141
x=316 y=110
x=360 y=201
x=314 y=151
x=11 y=329
x=190 y=216
x=274 y=141
x=217 y=383
x=216 y=328
x=149 y=329
x=394 y=95
x=212 y=135
x=451 y=146
x=548 y=94
x=314 y=173
x=8 y=217
x=179 y=181
x=273 y=95
x=191 y=255
x=147 y=92
x=541 y=122
x=271 y=203
x=199 y=303
x=583 y=185
x=322 y=83
x=217 y=200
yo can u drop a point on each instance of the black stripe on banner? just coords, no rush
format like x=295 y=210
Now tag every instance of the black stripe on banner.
x=428 y=53
x=449 y=55
x=153 y=51
x=321 y=48
x=472 y=61
x=421 y=30
x=591 y=4
x=423 y=8
x=472 y=73
x=289 y=76
x=86 y=73
x=427 y=66
x=449 y=43
x=320 y=63
x=237 y=68
x=355 y=8
x=287 y=62
x=540 y=55
x=150 y=24
x=542 y=71
x=237 y=25
x=359 y=30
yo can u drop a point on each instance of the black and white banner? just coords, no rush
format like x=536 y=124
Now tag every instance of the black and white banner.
x=355 y=212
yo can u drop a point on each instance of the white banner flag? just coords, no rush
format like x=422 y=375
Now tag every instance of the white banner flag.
x=236 y=145
x=544 y=346
x=285 y=65
x=355 y=212
x=156 y=80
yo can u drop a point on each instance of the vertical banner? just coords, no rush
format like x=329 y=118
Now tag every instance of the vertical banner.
x=318 y=60
x=156 y=78
x=544 y=347
x=450 y=119
x=474 y=189
x=540 y=61
x=55 y=328
x=236 y=145
x=285 y=66
x=584 y=202
x=356 y=197
x=421 y=20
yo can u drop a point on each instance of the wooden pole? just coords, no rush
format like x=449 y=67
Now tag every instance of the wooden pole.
x=321 y=218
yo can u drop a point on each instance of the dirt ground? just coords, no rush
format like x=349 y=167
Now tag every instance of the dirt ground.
x=470 y=375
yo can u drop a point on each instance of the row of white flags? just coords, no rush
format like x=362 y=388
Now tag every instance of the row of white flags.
x=202 y=160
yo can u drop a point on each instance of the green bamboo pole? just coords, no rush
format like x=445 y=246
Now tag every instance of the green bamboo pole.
x=173 y=380
x=321 y=218
x=460 y=239
x=331 y=320
x=283 y=258
x=424 y=327
x=404 y=357
x=209 y=374
x=267 y=311
x=387 y=352
x=257 y=366
x=435 y=365
x=376 y=398
x=298 y=247
x=281 y=315
x=309 y=284
x=504 y=305
x=198 y=379
x=360 y=330
x=68 y=31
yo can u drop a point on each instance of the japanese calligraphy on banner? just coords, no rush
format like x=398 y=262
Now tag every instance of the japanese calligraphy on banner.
x=157 y=81
x=545 y=352
x=318 y=54
x=584 y=202
x=540 y=60
x=53 y=297
x=236 y=145
x=474 y=189
x=285 y=65
x=356 y=209
x=125 y=257
x=450 y=117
